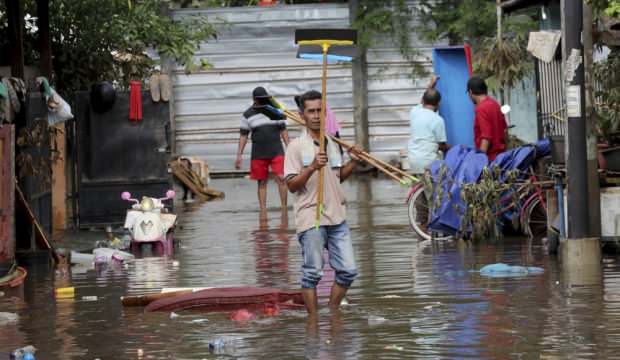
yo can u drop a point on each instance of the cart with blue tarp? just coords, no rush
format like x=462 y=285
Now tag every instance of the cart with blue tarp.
x=437 y=207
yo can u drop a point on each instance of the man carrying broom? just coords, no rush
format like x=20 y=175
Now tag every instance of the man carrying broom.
x=302 y=164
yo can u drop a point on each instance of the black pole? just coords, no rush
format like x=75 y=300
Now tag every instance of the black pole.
x=45 y=42
x=577 y=164
x=360 y=86
x=16 y=36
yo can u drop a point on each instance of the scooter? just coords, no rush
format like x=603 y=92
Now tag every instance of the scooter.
x=149 y=222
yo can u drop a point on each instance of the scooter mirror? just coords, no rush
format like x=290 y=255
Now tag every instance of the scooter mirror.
x=125 y=195
x=170 y=194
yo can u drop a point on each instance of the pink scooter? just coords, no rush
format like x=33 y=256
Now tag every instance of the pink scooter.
x=148 y=221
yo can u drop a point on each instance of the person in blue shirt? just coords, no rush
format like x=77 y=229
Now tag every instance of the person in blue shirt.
x=427 y=131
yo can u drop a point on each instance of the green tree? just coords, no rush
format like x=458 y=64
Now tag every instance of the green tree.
x=503 y=62
x=115 y=40
x=609 y=8
x=378 y=19
x=456 y=21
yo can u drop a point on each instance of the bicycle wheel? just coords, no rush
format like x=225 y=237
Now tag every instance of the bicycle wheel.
x=535 y=219
x=419 y=211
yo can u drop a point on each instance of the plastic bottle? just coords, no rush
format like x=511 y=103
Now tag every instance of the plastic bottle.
x=220 y=344
x=101 y=259
x=25 y=353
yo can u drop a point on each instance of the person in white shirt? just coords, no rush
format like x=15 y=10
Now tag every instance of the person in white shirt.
x=427 y=131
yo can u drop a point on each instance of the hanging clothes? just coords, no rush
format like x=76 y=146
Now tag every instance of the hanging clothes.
x=135 y=101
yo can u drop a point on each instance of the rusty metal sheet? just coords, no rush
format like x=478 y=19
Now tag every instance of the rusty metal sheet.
x=7 y=193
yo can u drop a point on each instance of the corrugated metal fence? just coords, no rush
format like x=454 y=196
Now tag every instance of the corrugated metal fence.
x=255 y=47
x=552 y=109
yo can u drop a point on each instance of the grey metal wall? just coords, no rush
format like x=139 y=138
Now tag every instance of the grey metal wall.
x=523 y=110
x=255 y=47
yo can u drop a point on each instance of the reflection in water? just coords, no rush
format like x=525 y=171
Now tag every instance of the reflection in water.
x=271 y=250
x=433 y=306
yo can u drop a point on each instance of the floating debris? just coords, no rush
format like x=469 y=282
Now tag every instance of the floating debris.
x=8 y=318
x=376 y=320
x=504 y=270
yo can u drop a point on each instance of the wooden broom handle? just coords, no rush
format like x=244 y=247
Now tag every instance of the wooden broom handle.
x=320 y=191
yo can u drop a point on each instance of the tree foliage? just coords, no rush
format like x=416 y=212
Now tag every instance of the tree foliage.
x=503 y=62
x=456 y=21
x=608 y=97
x=379 y=19
x=95 y=40
x=609 y=8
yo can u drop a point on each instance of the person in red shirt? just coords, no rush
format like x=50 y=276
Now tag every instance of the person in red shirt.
x=490 y=128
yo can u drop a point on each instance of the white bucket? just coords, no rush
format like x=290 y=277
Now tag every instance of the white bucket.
x=404 y=159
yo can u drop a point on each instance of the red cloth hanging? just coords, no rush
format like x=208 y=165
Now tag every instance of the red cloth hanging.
x=135 y=101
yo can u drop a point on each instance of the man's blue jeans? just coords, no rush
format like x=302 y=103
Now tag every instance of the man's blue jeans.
x=337 y=240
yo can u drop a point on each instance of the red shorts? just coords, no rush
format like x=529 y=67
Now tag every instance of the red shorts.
x=259 y=168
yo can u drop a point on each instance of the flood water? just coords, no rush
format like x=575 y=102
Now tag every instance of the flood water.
x=412 y=299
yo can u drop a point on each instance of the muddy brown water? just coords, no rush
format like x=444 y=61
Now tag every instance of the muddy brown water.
x=412 y=299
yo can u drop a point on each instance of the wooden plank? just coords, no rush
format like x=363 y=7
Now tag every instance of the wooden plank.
x=7 y=193
x=190 y=179
x=39 y=234
x=59 y=178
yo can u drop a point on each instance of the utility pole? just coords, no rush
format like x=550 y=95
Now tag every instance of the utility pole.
x=594 y=189
x=578 y=214
x=360 y=87
x=581 y=252
x=167 y=68
x=45 y=43
x=15 y=15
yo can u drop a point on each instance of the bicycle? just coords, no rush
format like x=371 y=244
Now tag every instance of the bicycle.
x=531 y=205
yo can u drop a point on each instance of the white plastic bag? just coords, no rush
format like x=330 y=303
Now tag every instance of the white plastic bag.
x=58 y=110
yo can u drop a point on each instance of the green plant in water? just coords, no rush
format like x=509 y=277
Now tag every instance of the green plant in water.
x=483 y=201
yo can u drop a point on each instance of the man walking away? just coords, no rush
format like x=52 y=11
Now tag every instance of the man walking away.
x=490 y=128
x=267 y=150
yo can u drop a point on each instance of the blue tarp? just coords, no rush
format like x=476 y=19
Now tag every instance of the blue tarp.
x=504 y=270
x=464 y=165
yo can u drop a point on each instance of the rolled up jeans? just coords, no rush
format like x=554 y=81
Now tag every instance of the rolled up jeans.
x=337 y=240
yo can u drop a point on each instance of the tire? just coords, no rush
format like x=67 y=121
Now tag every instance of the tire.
x=418 y=215
x=535 y=219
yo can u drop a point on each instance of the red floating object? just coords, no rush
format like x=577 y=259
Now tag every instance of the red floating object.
x=265 y=300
